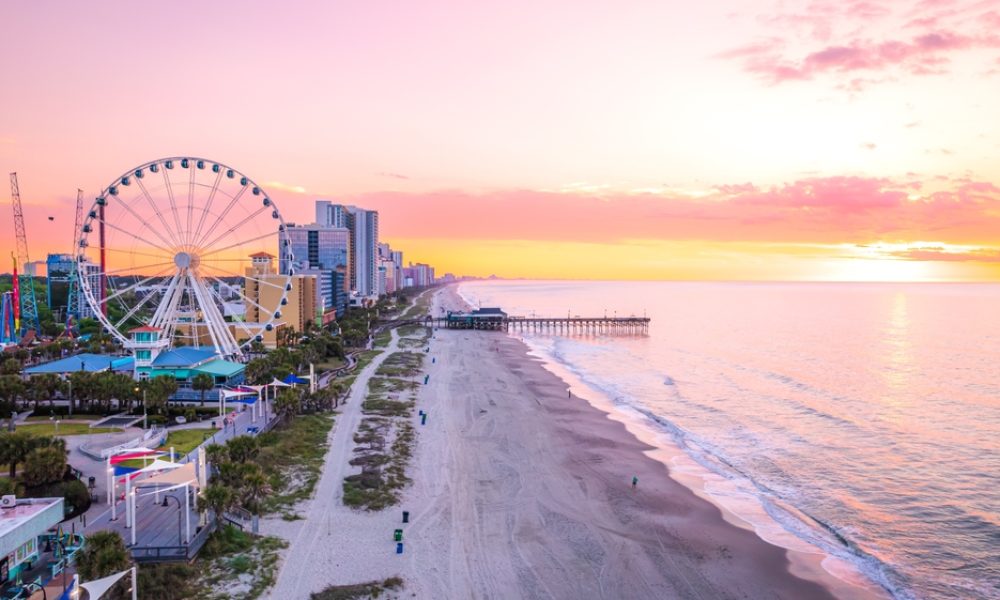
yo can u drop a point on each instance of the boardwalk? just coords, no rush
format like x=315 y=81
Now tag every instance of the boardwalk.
x=162 y=529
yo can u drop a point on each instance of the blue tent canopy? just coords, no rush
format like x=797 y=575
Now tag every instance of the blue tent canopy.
x=292 y=378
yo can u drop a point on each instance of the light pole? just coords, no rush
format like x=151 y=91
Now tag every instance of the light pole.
x=70 y=380
x=180 y=536
x=143 y=405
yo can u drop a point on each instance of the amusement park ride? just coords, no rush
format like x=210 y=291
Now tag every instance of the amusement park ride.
x=20 y=310
x=167 y=247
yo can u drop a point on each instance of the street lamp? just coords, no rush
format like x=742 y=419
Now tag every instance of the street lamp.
x=143 y=406
x=165 y=504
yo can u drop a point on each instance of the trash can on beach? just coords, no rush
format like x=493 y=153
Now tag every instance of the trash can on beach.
x=398 y=535
x=406 y=516
x=399 y=548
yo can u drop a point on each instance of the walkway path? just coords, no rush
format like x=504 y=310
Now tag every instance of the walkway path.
x=314 y=536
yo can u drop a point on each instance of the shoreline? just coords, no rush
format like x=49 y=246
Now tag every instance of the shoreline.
x=807 y=561
x=840 y=576
x=521 y=491
x=680 y=543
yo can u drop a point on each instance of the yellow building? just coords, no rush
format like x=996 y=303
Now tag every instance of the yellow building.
x=263 y=288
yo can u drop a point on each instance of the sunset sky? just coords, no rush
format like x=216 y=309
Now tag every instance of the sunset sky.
x=785 y=140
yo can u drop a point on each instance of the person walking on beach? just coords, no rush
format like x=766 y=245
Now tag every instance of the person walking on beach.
x=635 y=481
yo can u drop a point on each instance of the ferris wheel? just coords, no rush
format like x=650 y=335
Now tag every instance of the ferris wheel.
x=186 y=246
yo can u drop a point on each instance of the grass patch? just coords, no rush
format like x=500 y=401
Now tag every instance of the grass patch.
x=412 y=343
x=420 y=307
x=386 y=408
x=364 y=359
x=292 y=458
x=236 y=562
x=170 y=581
x=389 y=385
x=371 y=589
x=401 y=364
x=414 y=330
x=382 y=339
x=330 y=364
x=383 y=475
x=49 y=429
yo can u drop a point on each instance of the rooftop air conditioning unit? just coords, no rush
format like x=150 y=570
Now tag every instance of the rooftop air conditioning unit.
x=8 y=501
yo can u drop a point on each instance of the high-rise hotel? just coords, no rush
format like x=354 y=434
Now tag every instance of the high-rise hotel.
x=362 y=269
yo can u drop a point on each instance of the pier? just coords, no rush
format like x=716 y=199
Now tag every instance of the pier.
x=494 y=319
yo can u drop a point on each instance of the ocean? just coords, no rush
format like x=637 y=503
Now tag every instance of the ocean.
x=859 y=419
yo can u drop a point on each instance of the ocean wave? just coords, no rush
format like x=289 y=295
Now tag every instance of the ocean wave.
x=782 y=512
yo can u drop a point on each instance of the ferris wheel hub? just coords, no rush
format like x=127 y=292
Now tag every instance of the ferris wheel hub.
x=186 y=260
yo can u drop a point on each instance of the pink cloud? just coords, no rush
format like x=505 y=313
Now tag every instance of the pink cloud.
x=922 y=55
x=849 y=43
x=811 y=210
x=941 y=254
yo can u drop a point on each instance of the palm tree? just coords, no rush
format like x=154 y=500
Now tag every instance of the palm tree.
x=288 y=402
x=83 y=387
x=255 y=488
x=43 y=387
x=14 y=448
x=11 y=388
x=11 y=366
x=104 y=554
x=218 y=498
x=44 y=465
x=160 y=390
x=202 y=383
x=242 y=448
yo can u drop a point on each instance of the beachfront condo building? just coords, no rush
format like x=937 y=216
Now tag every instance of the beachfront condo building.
x=363 y=256
x=263 y=287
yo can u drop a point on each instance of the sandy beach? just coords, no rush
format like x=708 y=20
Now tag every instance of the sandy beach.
x=520 y=491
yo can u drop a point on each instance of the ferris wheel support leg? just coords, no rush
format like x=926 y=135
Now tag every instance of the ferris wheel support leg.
x=218 y=329
x=169 y=299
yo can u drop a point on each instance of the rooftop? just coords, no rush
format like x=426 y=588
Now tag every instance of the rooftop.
x=30 y=517
x=185 y=356
x=220 y=368
x=83 y=362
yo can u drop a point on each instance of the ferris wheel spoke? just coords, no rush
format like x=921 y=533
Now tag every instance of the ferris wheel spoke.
x=247 y=277
x=233 y=229
x=156 y=209
x=190 y=206
x=173 y=205
x=246 y=299
x=132 y=311
x=238 y=322
x=134 y=253
x=133 y=268
x=208 y=206
x=225 y=212
x=238 y=244
x=137 y=284
x=144 y=222
x=132 y=235
x=164 y=316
